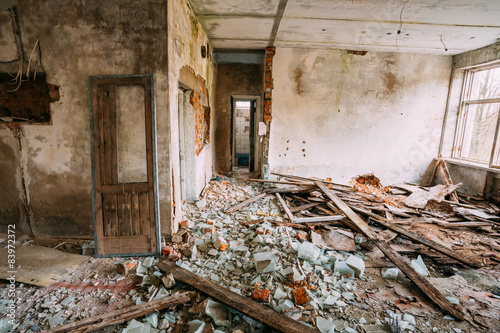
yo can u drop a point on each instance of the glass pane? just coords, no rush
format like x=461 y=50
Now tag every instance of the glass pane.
x=131 y=135
x=479 y=131
x=485 y=84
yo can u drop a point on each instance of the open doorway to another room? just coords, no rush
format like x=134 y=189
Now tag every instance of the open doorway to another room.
x=245 y=140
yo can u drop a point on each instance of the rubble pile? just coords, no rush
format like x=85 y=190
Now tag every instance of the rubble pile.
x=285 y=245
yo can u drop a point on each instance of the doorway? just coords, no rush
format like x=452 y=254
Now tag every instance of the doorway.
x=245 y=142
x=124 y=173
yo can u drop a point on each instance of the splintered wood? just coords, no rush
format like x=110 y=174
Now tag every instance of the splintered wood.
x=303 y=204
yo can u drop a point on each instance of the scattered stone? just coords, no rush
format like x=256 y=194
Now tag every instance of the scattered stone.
x=168 y=280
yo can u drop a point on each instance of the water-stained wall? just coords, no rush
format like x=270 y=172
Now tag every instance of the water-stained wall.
x=69 y=42
x=337 y=114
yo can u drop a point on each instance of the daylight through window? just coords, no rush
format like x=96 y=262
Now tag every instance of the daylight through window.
x=477 y=138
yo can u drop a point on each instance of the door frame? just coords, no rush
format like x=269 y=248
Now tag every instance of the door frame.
x=155 y=164
x=258 y=118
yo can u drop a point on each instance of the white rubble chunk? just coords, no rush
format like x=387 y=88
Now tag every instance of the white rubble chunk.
x=264 y=262
x=324 y=325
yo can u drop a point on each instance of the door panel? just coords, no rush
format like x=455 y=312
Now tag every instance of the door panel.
x=125 y=218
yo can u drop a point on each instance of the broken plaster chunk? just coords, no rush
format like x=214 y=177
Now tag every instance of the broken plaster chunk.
x=356 y=264
x=324 y=325
x=308 y=251
x=280 y=294
x=238 y=245
x=218 y=312
x=330 y=300
x=453 y=300
x=196 y=326
x=152 y=320
x=419 y=266
x=342 y=268
x=264 y=262
x=213 y=252
x=409 y=318
x=390 y=273
x=168 y=280
x=220 y=244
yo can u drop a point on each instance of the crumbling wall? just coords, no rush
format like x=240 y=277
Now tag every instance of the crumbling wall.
x=336 y=114
x=232 y=79
x=78 y=40
x=186 y=38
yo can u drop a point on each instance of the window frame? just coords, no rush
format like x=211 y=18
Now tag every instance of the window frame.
x=463 y=108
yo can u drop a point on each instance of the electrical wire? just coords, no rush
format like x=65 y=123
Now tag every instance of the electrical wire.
x=400 y=23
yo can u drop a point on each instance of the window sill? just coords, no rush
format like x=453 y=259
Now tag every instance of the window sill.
x=473 y=165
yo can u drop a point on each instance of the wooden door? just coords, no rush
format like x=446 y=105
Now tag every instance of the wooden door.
x=124 y=207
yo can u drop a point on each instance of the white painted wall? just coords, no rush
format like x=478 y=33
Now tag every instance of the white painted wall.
x=339 y=115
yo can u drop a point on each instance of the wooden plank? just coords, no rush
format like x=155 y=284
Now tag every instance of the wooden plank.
x=304 y=207
x=419 y=238
x=253 y=222
x=131 y=187
x=243 y=304
x=281 y=182
x=122 y=315
x=148 y=109
x=445 y=174
x=120 y=209
x=144 y=213
x=285 y=208
x=135 y=214
x=292 y=225
x=335 y=186
x=109 y=219
x=421 y=282
x=245 y=203
x=449 y=225
x=296 y=189
x=318 y=219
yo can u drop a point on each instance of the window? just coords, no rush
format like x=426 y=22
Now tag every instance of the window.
x=477 y=137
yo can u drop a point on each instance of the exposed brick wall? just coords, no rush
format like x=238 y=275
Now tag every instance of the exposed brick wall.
x=195 y=101
x=268 y=84
x=199 y=100
x=268 y=102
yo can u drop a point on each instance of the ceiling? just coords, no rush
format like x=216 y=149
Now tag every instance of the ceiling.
x=425 y=26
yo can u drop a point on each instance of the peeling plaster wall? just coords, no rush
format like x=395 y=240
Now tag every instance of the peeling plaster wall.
x=339 y=115
x=185 y=38
x=79 y=40
x=474 y=180
x=232 y=79
x=11 y=199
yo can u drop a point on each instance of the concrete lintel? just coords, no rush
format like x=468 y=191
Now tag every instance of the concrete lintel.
x=239 y=58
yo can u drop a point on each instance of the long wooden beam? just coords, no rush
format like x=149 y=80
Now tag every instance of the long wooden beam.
x=424 y=285
x=241 y=303
x=121 y=315
x=244 y=203
x=463 y=258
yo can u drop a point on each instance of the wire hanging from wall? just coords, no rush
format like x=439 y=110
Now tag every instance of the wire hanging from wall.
x=400 y=23
x=442 y=42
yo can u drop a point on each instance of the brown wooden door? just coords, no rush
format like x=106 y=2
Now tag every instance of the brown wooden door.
x=124 y=208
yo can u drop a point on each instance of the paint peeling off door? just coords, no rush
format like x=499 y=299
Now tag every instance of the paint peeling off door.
x=125 y=221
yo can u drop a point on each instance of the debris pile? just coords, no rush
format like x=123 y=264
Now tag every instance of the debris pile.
x=322 y=256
